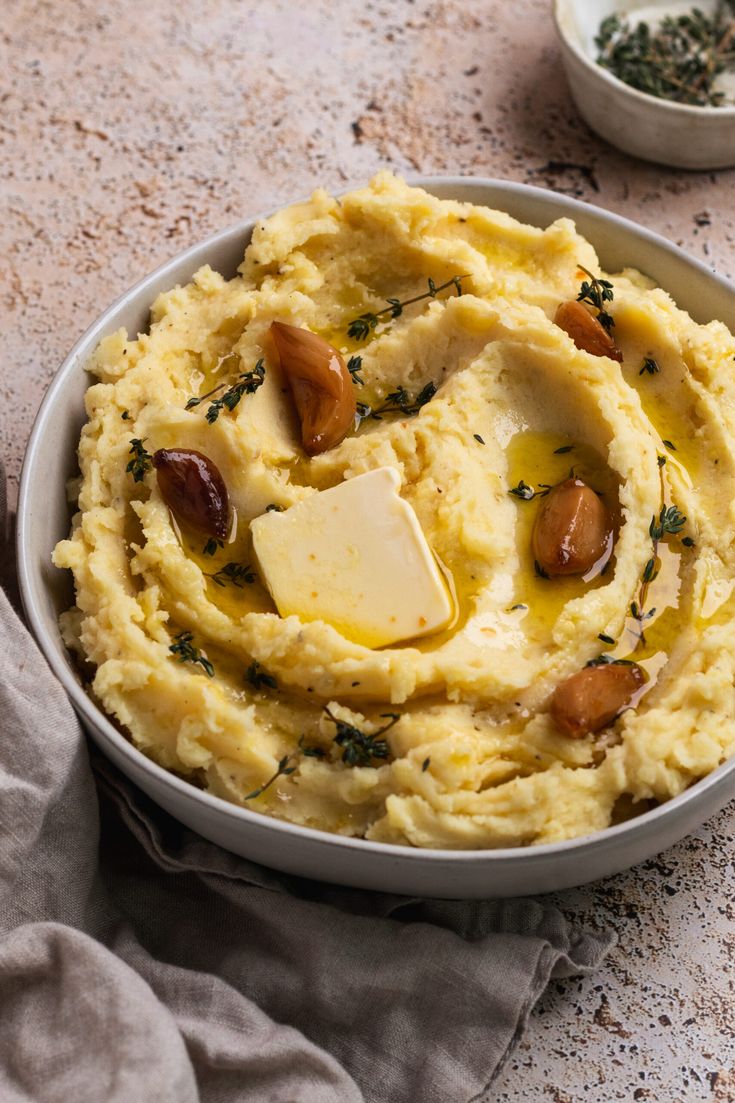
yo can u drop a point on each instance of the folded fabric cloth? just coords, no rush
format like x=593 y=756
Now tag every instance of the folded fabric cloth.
x=141 y=964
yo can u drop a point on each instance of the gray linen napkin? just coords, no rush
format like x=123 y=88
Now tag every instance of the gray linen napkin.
x=141 y=964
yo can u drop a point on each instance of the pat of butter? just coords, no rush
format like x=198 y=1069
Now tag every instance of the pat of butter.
x=356 y=557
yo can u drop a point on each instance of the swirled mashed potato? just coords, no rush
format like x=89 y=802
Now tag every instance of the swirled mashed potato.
x=474 y=759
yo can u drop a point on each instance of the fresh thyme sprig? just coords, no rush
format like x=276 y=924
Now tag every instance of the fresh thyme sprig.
x=401 y=402
x=285 y=768
x=670 y=522
x=360 y=328
x=238 y=574
x=681 y=59
x=596 y=293
x=396 y=402
x=141 y=462
x=358 y=748
x=248 y=383
x=259 y=678
x=185 y=652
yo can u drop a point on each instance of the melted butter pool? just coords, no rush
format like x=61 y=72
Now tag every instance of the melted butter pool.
x=234 y=601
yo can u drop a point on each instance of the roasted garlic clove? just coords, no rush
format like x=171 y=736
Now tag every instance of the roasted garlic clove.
x=591 y=699
x=321 y=386
x=573 y=530
x=193 y=489
x=586 y=331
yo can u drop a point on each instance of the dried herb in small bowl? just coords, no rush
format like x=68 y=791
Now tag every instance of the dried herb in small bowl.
x=680 y=59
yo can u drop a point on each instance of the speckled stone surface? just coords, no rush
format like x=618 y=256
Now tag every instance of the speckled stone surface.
x=130 y=129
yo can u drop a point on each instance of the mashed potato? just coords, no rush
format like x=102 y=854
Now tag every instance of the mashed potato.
x=475 y=758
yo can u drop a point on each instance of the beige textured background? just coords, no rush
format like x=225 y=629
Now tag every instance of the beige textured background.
x=130 y=129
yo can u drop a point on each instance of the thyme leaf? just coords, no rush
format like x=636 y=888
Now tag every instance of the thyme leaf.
x=360 y=328
x=259 y=678
x=670 y=521
x=141 y=461
x=526 y=493
x=650 y=366
x=401 y=402
x=212 y=545
x=596 y=292
x=238 y=574
x=186 y=652
x=359 y=748
x=650 y=571
x=354 y=367
x=608 y=660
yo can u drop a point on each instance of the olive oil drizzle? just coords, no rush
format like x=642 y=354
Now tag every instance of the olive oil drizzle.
x=537 y=461
x=653 y=619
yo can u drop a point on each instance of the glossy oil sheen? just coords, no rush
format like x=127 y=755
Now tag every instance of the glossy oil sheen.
x=43 y=519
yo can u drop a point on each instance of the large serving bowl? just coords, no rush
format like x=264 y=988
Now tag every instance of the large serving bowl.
x=43 y=519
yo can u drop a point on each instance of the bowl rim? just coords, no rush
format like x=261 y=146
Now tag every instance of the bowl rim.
x=95 y=718
x=605 y=76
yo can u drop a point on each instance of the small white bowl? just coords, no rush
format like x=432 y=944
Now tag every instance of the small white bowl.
x=43 y=519
x=654 y=129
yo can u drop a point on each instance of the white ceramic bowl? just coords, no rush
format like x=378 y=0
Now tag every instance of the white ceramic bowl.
x=43 y=518
x=657 y=130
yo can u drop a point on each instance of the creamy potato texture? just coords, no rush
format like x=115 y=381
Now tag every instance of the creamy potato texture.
x=474 y=759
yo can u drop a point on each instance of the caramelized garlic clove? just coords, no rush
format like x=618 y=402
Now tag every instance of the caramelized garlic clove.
x=586 y=331
x=592 y=698
x=321 y=386
x=193 y=489
x=573 y=530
